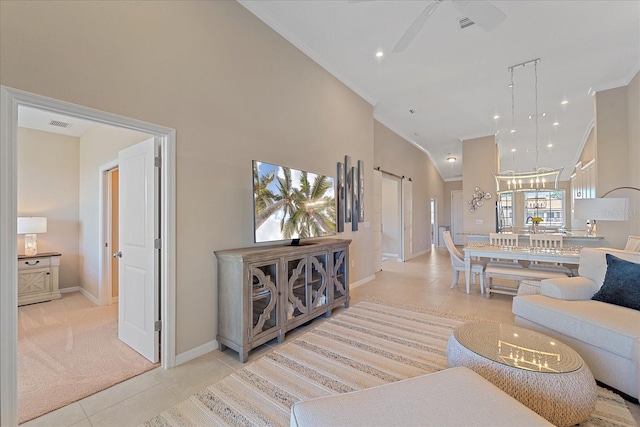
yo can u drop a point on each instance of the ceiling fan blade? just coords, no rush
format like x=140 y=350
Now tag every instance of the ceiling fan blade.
x=481 y=12
x=415 y=27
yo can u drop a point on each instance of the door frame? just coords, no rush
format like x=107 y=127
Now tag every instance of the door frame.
x=10 y=100
x=104 y=224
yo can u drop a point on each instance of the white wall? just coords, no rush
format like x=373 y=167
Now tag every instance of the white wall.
x=633 y=110
x=233 y=89
x=48 y=186
x=481 y=160
x=613 y=150
x=98 y=146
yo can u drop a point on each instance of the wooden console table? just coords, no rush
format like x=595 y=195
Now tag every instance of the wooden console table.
x=38 y=278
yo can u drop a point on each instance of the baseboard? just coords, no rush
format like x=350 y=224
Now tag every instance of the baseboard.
x=91 y=298
x=82 y=291
x=196 y=352
x=426 y=251
x=354 y=285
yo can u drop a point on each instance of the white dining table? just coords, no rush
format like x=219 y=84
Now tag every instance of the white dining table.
x=520 y=253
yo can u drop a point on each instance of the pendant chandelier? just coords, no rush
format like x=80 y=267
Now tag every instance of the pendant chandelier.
x=541 y=178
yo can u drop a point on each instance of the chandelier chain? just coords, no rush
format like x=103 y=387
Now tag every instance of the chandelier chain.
x=513 y=126
x=535 y=68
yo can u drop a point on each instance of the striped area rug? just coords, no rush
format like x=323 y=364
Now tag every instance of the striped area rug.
x=369 y=344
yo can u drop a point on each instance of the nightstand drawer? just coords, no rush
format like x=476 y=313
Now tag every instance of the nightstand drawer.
x=26 y=264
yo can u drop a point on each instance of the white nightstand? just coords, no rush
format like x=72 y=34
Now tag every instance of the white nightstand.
x=38 y=278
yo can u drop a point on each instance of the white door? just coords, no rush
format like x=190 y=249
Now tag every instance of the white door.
x=456 y=217
x=138 y=295
x=407 y=219
x=377 y=220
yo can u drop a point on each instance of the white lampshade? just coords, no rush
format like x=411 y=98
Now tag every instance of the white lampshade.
x=609 y=209
x=32 y=225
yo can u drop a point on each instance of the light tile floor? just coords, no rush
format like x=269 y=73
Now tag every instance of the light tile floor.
x=423 y=281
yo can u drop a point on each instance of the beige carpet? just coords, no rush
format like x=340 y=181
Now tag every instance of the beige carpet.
x=68 y=349
x=369 y=344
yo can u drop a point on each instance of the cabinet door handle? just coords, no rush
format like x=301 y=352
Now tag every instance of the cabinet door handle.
x=35 y=263
x=117 y=254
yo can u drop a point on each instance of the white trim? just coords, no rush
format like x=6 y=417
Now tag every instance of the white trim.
x=8 y=259
x=361 y=282
x=104 y=274
x=10 y=99
x=90 y=297
x=196 y=352
x=583 y=142
x=86 y=293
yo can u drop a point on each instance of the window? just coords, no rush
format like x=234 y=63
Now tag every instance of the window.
x=505 y=210
x=548 y=205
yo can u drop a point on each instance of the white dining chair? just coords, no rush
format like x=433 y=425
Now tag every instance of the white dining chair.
x=457 y=262
x=633 y=244
x=506 y=240
x=549 y=242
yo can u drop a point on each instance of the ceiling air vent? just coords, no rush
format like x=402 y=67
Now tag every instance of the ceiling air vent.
x=59 y=124
x=465 y=22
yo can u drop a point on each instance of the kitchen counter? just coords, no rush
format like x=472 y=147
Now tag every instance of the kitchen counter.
x=569 y=239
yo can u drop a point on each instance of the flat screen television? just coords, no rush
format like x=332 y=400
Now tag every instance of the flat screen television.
x=291 y=204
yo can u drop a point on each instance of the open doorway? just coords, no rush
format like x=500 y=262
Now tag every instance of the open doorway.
x=111 y=232
x=11 y=101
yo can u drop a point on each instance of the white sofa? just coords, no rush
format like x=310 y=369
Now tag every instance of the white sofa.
x=607 y=336
x=452 y=397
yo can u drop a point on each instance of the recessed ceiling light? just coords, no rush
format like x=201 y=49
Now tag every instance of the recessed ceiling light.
x=556 y=123
x=549 y=145
x=513 y=131
x=513 y=150
x=496 y=117
x=565 y=102
x=379 y=54
x=451 y=159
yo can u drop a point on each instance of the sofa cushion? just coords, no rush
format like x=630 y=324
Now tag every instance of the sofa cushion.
x=455 y=397
x=569 y=288
x=621 y=283
x=607 y=326
x=593 y=263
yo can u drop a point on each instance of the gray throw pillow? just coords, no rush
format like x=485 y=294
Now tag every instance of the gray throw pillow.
x=621 y=284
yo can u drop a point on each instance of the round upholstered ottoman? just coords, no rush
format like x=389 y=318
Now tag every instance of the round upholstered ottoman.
x=540 y=372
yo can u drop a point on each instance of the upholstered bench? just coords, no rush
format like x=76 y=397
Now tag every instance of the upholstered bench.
x=452 y=397
x=517 y=274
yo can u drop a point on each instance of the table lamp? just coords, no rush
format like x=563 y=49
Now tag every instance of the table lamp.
x=600 y=209
x=29 y=226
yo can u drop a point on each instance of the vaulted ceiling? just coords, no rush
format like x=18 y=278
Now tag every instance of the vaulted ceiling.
x=449 y=83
